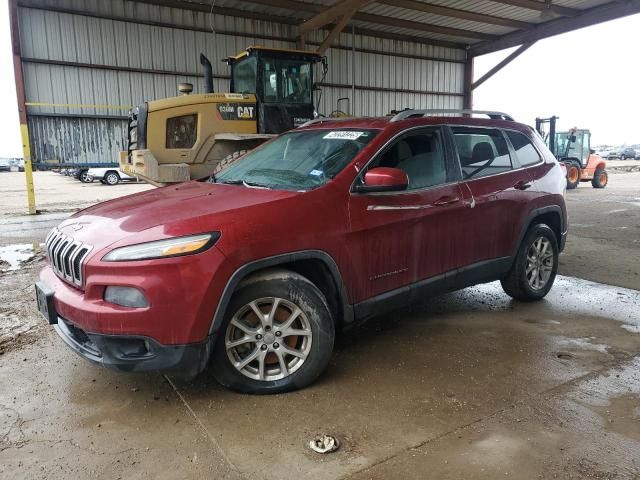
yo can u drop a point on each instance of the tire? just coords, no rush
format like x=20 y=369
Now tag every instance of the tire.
x=228 y=160
x=518 y=282
x=111 y=178
x=574 y=174
x=291 y=291
x=622 y=157
x=85 y=178
x=600 y=178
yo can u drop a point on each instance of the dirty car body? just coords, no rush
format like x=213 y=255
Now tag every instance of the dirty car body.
x=319 y=228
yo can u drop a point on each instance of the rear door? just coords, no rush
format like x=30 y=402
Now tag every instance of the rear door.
x=400 y=238
x=494 y=183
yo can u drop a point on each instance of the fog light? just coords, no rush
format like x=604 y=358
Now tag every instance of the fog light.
x=126 y=297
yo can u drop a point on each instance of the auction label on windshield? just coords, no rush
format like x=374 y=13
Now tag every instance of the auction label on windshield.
x=343 y=135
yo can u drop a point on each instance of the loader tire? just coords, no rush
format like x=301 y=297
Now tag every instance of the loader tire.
x=574 y=174
x=600 y=178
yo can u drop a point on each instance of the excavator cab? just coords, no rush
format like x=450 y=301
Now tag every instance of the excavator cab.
x=281 y=80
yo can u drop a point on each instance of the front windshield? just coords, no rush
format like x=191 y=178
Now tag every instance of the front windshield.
x=298 y=160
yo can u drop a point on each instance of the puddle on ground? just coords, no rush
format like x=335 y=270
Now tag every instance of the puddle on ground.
x=584 y=343
x=615 y=396
x=13 y=256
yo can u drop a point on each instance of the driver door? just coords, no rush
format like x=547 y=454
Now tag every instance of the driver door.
x=400 y=238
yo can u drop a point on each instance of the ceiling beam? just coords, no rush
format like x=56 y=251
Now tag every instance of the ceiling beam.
x=540 y=6
x=342 y=23
x=420 y=26
x=515 y=54
x=586 y=18
x=455 y=13
x=300 y=6
x=201 y=7
x=340 y=10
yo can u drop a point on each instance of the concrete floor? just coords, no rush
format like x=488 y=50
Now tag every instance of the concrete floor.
x=467 y=385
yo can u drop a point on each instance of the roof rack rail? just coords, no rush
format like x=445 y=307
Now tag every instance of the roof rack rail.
x=425 y=113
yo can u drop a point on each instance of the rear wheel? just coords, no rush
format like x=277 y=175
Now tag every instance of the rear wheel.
x=600 y=178
x=535 y=266
x=111 y=178
x=574 y=173
x=277 y=335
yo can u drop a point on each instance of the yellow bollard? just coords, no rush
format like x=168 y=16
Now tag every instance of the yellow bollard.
x=28 y=171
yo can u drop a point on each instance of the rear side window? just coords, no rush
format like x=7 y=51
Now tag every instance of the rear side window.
x=482 y=152
x=525 y=151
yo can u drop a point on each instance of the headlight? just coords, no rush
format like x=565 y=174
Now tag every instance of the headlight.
x=171 y=247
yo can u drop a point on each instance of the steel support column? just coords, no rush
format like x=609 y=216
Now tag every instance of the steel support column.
x=467 y=102
x=22 y=108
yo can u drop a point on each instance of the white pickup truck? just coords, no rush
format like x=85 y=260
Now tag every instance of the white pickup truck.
x=108 y=176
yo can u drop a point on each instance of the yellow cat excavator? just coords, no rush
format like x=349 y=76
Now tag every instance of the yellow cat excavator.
x=192 y=136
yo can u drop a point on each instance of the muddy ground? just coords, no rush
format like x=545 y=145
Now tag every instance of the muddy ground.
x=468 y=385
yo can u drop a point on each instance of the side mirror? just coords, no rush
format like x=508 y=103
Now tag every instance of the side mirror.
x=592 y=151
x=383 y=179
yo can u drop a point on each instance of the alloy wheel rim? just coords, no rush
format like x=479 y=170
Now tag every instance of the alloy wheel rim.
x=268 y=339
x=539 y=263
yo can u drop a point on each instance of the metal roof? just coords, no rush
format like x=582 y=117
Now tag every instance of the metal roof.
x=478 y=25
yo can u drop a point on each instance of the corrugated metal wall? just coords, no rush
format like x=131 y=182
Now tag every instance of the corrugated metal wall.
x=76 y=140
x=73 y=57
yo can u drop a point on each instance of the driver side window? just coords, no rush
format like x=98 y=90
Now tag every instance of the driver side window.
x=421 y=156
x=482 y=152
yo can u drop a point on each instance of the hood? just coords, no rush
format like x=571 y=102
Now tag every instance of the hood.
x=176 y=210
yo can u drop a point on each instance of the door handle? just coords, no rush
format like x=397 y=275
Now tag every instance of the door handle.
x=441 y=202
x=522 y=185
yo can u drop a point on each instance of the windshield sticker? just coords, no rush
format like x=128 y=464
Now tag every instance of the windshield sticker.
x=343 y=135
x=315 y=173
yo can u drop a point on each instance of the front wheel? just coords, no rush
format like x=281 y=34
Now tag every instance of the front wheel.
x=534 y=269
x=277 y=335
x=85 y=177
x=600 y=178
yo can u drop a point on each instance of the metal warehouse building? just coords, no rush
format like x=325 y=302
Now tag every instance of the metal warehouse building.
x=81 y=64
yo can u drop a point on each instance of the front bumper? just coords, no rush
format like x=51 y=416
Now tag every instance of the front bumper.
x=130 y=353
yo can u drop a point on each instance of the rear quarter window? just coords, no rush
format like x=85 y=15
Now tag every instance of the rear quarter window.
x=482 y=151
x=525 y=151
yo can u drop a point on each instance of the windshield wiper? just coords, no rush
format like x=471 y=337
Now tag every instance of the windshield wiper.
x=241 y=181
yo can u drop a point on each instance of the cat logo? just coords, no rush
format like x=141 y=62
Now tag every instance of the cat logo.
x=236 y=111
x=245 y=113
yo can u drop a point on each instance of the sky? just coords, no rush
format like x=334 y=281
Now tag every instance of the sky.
x=589 y=78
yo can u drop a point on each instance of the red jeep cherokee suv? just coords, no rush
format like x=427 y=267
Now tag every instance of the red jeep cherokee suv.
x=253 y=271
